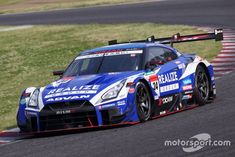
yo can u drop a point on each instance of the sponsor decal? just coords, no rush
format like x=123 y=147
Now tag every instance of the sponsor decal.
x=189 y=96
x=167 y=78
x=188 y=92
x=181 y=66
x=167 y=99
x=169 y=87
x=110 y=53
x=177 y=62
x=63 y=112
x=187 y=87
x=156 y=97
x=187 y=81
x=132 y=90
x=123 y=52
x=153 y=78
x=65 y=98
x=107 y=106
x=155 y=85
x=89 y=56
x=87 y=89
x=121 y=103
x=61 y=81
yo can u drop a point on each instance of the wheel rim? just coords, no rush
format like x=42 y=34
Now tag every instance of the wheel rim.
x=143 y=101
x=202 y=85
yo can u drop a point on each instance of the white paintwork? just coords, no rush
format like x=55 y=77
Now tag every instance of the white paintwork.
x=191 y=68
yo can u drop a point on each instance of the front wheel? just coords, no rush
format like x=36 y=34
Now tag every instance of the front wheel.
x=143 y=102
x=201 y=91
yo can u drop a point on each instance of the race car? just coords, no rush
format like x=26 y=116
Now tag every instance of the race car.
x=126 y=82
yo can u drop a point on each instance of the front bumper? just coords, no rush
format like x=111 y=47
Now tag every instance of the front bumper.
x=77 y=114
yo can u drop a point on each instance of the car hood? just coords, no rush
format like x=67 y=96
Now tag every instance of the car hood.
x=81 y=87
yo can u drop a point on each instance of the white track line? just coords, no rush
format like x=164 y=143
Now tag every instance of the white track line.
x=228 y=41
x=15 y=28
x=227 y=64
x=223 y=69
x=222 y=72
x=228 y=50
x=224 y=59
x=228 y=44
x=229 y=35
x=226 y=55
x=229 y=47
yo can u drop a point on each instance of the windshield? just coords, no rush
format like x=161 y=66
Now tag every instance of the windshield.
x=105 y=62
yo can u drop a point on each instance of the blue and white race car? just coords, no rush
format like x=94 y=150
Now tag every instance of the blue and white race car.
x=120 y=83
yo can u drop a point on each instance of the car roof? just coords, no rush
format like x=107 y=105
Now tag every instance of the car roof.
x=122 y=46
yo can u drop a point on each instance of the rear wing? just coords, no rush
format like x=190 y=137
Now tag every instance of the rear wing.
x=177 y=38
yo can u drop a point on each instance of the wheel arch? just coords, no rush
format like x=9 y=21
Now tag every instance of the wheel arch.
x=23 y=102
x=209 y=78
x=206 y=69
x=154 y=111
x=148 y=86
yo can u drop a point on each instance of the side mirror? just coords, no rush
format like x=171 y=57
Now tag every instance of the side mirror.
x=58 y=73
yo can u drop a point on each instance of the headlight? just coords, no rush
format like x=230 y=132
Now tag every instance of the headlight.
x=113 y=92
x=33 y=101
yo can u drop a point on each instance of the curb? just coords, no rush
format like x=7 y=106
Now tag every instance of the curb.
x=224 y=62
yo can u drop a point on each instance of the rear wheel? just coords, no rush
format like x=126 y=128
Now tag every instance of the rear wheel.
x=143 y=102
x=201 y=91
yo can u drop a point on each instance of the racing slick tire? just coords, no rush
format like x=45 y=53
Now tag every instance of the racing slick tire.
x=143 y=102
x=202 y=86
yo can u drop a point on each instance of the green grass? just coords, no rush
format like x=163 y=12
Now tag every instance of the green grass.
x=7 y=2
x=28 y=57
x=16 y=6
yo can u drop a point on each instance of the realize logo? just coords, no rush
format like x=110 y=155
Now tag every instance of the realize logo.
x=169 y=77
x=70 y=93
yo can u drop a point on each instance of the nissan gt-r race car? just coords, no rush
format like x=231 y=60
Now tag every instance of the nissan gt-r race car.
x=121 y=83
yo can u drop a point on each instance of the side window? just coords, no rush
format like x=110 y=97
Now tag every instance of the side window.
x=158 y=56
x=169 y=55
